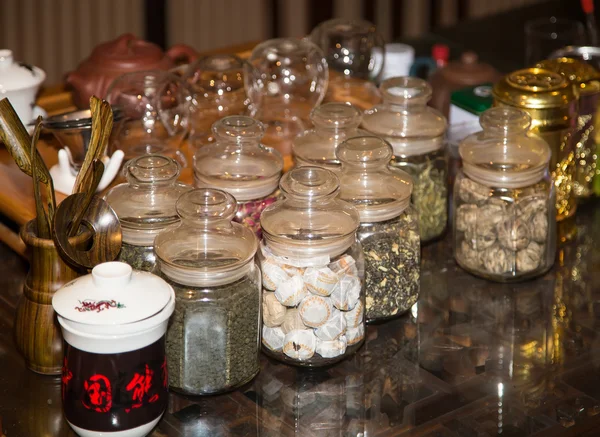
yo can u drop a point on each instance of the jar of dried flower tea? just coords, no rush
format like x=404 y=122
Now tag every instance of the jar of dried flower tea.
x=145 y=205
x=240 y=165
x=504 y=221
x=389 y=231
x=417 y=135
x=213 y=340
x=333 y=123
x=312 y=271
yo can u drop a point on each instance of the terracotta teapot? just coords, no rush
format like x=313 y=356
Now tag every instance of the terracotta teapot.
x=111 y=59
x=468 y=71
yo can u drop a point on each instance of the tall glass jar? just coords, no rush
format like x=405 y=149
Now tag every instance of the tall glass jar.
x=213 y=340
x=416 y=133
x=145 y=205
x=389 y=231
x=313 y=270
x=239 y=164
x=333 y=123
x=504 y=220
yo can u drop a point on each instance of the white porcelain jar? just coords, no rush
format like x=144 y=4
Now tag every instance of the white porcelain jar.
x=114 y=379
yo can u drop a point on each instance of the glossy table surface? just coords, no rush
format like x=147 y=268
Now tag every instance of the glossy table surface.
x=474 y=359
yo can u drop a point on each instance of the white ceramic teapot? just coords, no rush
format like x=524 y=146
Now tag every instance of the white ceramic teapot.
x=20 y=83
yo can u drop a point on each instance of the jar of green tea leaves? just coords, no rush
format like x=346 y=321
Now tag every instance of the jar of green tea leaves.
x=333 y=123
x=213 y=340
x=389 y=231
x=145 y=205
x=417 y=135
x=239 y=164
x=313 y=272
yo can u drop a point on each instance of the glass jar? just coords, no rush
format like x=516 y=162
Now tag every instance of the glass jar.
x=504 y=221
x=333 y=123
x=286 y=78
x=417 y=134
x=239 y=164
x=145 y=205
x=217 y=85
x=313 y=270
x=213 y=340
x=389 y=231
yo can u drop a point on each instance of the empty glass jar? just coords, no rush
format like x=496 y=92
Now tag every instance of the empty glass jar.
x=504 y=221
x=213 y=339
x=286 y=79
x=389 y=231
x=417 y=135
x=333 y=123
x=312 y=270
x=239 y=164
x=217 y=85
x=145 y=205
x=156 y=107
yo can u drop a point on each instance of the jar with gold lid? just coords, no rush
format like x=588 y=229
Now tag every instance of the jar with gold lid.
x=551 y=101
x=586 y=80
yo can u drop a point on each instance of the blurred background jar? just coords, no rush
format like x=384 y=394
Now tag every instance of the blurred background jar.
x=213 y=336
x=239 y=164
x=156 y=107
x=551 y=102
x=355 y=54
x=286 y=79
x=389 y=230
x=504 y=224
x=145 y=205
x=333 y=123
x=313 y=272
x=217 y=86
x=586 y=79
x=417 y=135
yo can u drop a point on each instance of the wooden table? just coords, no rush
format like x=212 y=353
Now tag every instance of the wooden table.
x=478 y=358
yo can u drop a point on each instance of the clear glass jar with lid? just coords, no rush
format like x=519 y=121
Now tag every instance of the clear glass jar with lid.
x=145 y=205
x=313 y=270
x=239 y=164
x=504 y=221
x=333 y=123
x=213 y=340
x=389 y=230
x=417 y=135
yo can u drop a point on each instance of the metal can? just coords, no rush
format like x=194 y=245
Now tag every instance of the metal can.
x=586 y=79
x=551 y=101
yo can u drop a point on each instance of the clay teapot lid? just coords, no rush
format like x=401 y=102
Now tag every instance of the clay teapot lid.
x=126 y=52
x=468 y=70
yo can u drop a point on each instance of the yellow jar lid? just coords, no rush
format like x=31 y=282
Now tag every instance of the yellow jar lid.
x=579 y=73
x=534 y=88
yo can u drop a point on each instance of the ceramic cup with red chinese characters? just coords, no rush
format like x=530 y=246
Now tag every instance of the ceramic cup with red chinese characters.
x=114 y=379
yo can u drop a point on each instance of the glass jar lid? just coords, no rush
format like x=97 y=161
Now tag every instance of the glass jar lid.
x=238 y=163
x=579 y=73
x=310 y=223
x=206 y=249
x=404 y=119
x=534 y=88
x=378 y=192
x=504 y=154
x=333 y=123
x=215 y=79
x=113 y=294
x=145 y=204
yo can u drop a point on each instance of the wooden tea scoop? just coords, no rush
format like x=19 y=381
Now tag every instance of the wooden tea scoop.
x=43 y=225
x=97 y=172
x=99 y=219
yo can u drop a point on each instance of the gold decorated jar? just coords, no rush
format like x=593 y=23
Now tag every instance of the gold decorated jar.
x=551 y=101
x=586 y=80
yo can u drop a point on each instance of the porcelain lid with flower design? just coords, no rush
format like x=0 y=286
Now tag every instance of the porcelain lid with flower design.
x=113 y=294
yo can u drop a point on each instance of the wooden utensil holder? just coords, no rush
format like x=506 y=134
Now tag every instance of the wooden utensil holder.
x=37 y=332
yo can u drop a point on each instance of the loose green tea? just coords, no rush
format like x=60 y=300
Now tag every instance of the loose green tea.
x=392 y=265
x=430 y=191
x=138 y=257
x=213 y=346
